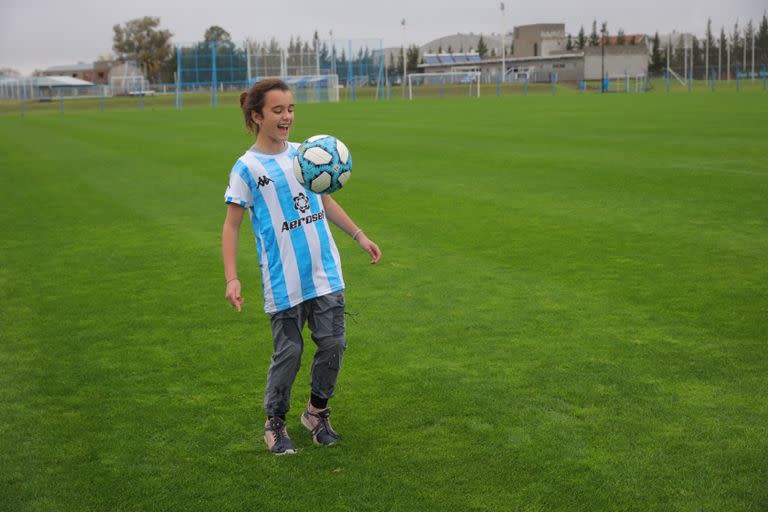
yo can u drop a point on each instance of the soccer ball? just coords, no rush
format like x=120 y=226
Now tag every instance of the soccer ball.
x=322 y=164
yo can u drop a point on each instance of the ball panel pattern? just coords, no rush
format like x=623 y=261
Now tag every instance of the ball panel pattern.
x=318 y=156
x=343 y=152
x=322 y=164
x=297 y=170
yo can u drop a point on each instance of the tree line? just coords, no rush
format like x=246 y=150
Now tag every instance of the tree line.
x=143 y=40
x=737 y=44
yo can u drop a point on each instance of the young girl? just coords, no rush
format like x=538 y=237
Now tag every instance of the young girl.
x=300 y=266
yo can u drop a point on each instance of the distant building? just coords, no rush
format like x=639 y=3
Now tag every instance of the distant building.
x=96 y=72
x=540 y=50
x=629 y=39
x=539 y=40
x=45 y=88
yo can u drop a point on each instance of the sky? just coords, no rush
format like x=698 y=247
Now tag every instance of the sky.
x=36 y=34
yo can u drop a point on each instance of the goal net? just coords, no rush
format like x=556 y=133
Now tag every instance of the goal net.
x=626 y=83
x=438 y=85
x=127 y=79
x=310 y=88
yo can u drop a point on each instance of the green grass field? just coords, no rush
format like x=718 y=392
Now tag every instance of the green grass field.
x=571 y=313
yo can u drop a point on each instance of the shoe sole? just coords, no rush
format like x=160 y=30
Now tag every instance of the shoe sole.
x=305 y=422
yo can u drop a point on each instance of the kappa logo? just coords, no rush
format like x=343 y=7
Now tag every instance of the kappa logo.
x=301 y=202
x=263 y=181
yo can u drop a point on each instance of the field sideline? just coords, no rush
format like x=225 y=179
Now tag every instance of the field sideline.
x=570 y=313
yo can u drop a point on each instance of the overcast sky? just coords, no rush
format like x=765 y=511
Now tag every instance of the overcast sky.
x=35 y=34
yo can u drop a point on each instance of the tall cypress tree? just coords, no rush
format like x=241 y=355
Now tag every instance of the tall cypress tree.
x=482 y=48
x=749 y=33
x=594 y=39
x=657 y=61
x=761 y=44
x=710 y=40
x=722 y=46
x=736 y=46
x=581 y=39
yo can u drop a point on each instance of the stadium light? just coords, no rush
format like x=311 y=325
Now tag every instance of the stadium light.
x=404 y=62
x=503 y=45
x=333 y=52
x=602 y=60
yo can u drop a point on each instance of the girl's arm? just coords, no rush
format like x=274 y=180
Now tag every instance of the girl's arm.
x=339 y=217
x=229 y=235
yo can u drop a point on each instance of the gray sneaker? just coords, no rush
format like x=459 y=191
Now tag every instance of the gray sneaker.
x=276 y=437
x=319 y=425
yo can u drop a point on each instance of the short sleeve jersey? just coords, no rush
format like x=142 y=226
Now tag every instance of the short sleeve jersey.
x=297 y=255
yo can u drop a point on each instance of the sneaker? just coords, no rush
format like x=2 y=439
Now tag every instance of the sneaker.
x=319 y=425
x=276 y=437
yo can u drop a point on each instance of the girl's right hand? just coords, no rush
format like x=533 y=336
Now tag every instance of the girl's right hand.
x=233 y=294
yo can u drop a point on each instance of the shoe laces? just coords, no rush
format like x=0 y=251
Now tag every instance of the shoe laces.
x=277 y=427
x=324 y=423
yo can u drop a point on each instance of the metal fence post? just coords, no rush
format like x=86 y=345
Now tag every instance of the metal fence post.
x=213 y=74
x=351 y=72
x=690 y=79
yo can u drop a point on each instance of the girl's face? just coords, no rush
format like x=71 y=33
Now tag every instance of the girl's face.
x=277 y=119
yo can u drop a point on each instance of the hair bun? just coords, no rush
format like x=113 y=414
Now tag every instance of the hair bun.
x=243 y=97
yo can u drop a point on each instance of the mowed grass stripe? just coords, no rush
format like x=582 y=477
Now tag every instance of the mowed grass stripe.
x=567 y=316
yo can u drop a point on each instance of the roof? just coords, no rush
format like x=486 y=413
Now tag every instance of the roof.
x=628 y=39
x=73 y=67
x=47 y=81
x=511 y=60
x=450 y=58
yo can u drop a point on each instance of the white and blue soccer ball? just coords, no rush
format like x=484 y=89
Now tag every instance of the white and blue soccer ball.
x=322 y=164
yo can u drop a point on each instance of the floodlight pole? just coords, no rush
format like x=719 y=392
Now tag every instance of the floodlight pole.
x=719 y=59
x=602 y=61
x=504 y=45
x=706 y=54
x=744 y=63
x=333 y=53
x=404 y=61
x=753 y=55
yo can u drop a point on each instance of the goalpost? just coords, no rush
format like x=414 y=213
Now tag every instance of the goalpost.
x=313 y=88
x=466 y=83
x=627 y=83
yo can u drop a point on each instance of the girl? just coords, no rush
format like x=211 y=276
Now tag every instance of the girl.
x=300 y=265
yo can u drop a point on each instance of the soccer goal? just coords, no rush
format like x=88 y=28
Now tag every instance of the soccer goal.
x=438 y=85
x=127 y=79
x=626 y=83
x=310 y=88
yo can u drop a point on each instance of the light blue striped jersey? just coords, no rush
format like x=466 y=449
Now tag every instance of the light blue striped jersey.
x=297 y=255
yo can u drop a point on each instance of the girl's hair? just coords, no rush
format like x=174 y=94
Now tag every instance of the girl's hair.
x=253 y=100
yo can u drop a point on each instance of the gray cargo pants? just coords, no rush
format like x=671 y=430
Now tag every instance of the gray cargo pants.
x=325 y=316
